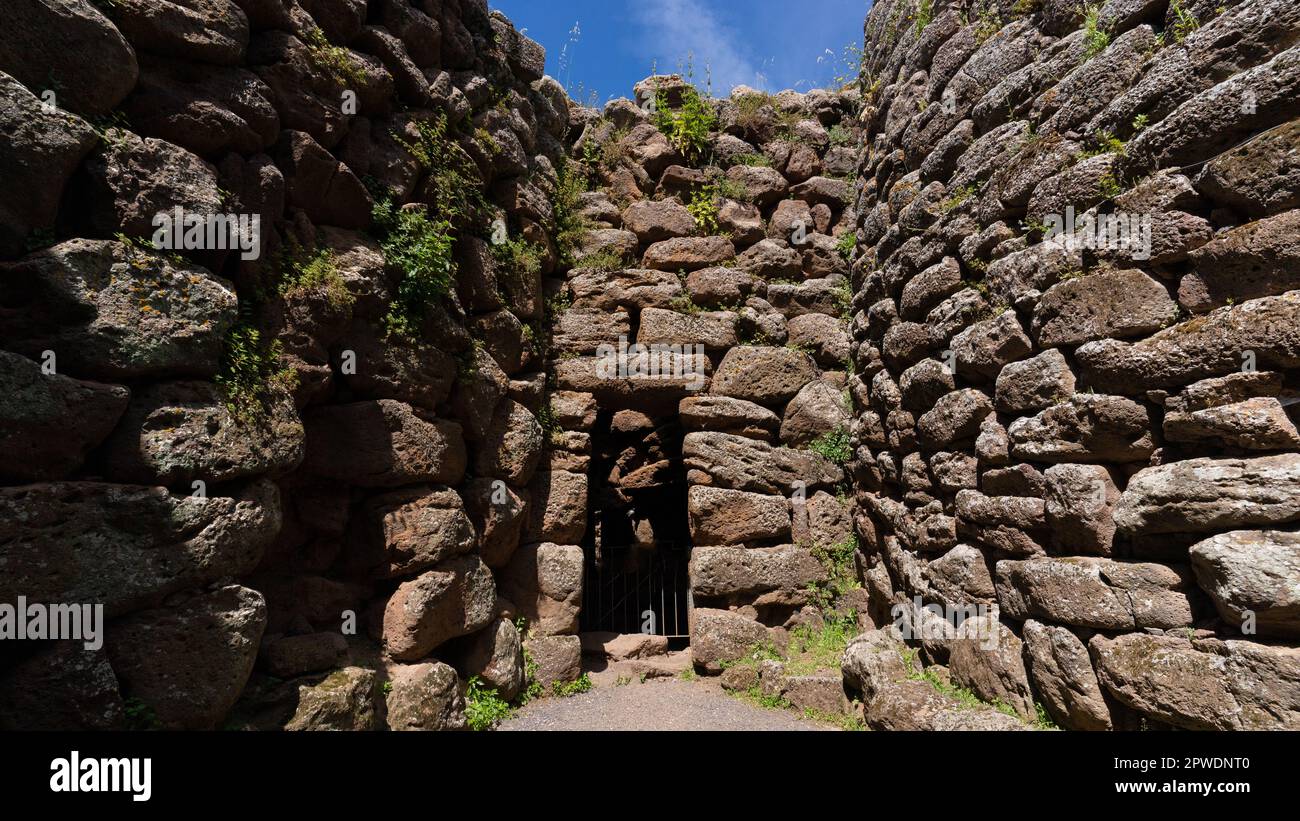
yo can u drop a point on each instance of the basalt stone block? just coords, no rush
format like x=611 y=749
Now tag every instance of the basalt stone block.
x=720 y=517
x=126 y=546
x=768 y=376
x=1200 y=495
x=384 y=443
x=456 y=598
x=1202 y=685
x=738 y=571
x=742 y=463
x=190 y=660
x=545 y=582
x=1097 y=593
x=1255 y=260
x=1203 y=347
x=176 y=432
x=425 y=697
x=719 y=636
x=1254 y=578
x=41 y=149
x=410 y=530
x=1106 y=305
x=114 y=312
x=51 y=422
x=343 y=701
x=1062 y=672
x=1087 y=427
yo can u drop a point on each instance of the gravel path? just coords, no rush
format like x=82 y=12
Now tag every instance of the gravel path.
x=658 y=704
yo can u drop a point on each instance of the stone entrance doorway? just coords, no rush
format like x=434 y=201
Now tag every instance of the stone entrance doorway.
x=637 y=546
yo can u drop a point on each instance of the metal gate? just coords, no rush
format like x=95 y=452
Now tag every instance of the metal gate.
x=636 y=590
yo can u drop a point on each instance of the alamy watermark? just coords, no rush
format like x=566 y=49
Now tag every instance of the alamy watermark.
x=125 y=775
x=1119 y=231
x=179 y=230
x=656 y=361
x=47 y=622
x=918 y=621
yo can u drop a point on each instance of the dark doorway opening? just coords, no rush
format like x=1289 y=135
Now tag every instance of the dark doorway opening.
x=638 y=546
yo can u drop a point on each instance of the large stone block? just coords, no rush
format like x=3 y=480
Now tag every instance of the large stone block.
x=731 y=517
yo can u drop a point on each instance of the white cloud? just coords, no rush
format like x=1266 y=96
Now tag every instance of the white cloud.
x=672 y=29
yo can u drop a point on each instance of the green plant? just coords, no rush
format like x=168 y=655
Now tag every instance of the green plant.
x=688 y=674
x=1026 y=8
x=850 y=723
x=1042 y=720
x=604 y=260
x=841 y=571
x=420 y=250
x=454 y=187
x=758 y=160
x=705 y=206
x=754 y=695
x=834 y=445
x=113 y=129
x=687 y=127
x=1104 y=142
x=484 y=707
x=333 y=60
x=749 y=111
x=819 y=648
x=250 y=373
x=988 y=22
x=572 y=688
x=40 y=239
x=1185 y=22
x=959 y=197
x=847 y=245
x=1140 y=122
x=1109 y=187
x=519 y=261
x=302 y=271
x=924 y=14
x=847 y=66
x=841 y=135
x=139 y=715
x=569 y=225
x=532 y=688
x=1095 y=39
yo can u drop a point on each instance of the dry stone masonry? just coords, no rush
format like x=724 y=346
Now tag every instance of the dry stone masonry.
x=1092 y=439
x=1008 y=329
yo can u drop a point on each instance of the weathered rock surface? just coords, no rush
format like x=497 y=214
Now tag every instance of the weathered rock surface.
x=456 y=598
x=425 y=697
x=719 y=636
x=545 y=582
x=1061 y=670
x=189 y=660
x=383 y=444
x=727 y=571
x=1202 y=685
x=51 y=422
x=343 y=701
x=126 y=546
x=720 y=516
x=1199 y=495
x=1097 y=593
x=1253 y=578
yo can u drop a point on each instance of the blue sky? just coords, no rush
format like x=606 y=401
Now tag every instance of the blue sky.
x=768 y=44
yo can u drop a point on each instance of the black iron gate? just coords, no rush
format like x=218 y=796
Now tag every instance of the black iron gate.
x=637 y=590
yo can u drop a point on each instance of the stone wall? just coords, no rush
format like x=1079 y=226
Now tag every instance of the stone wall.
x=1097 y=443
x=326 y=487
x=281 y=495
